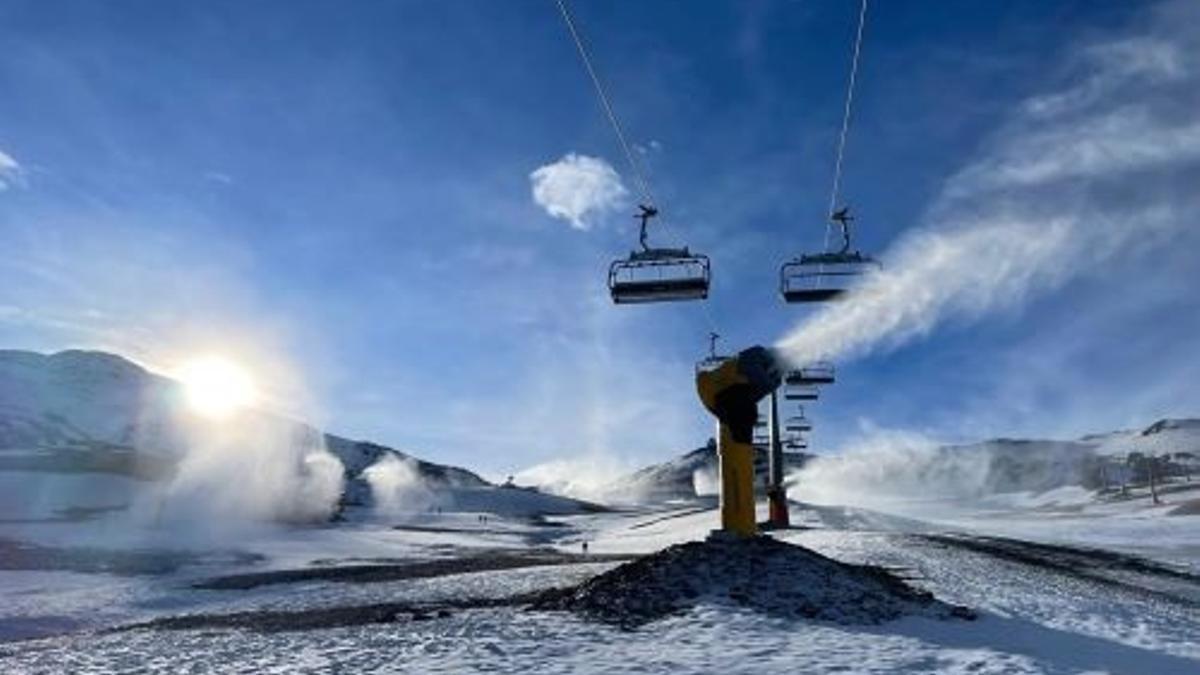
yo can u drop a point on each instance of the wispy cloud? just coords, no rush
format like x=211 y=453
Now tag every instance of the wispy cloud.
x=1104 y=67
x=12 y=174
x=578 y=189
x=218 y=177
x=1127 y=139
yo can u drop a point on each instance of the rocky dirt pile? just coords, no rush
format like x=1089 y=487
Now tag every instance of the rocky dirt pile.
x=760 y=573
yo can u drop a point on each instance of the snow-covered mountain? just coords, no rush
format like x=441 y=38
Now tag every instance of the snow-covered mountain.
x=88 y=411
x=75 y=397
x=1167 y=436
x=94 y=412
x=1019 y=465
x=991 y=467
x=689 y=475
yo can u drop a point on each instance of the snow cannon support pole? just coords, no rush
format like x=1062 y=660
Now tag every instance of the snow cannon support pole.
x=776 y=494
x=731 y=392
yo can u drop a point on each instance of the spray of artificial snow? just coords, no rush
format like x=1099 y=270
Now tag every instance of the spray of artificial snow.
x=397 y=487
x=253 y=468
x=909 y=472
x=1077 y=178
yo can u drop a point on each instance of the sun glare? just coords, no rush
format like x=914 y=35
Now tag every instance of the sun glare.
x=217 y=387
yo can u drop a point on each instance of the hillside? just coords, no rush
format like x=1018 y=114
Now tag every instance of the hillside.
x=690 y=475
x=94 y=412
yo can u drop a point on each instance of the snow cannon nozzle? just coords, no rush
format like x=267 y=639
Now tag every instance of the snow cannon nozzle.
x=731 y=391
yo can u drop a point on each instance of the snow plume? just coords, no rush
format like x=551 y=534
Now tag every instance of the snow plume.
x=887 y=466
x=890 y=468
x=706 y=482
x=252 y=468
x=397 y=487
x=1078 y=177
x=592 y=477
x=578 y=188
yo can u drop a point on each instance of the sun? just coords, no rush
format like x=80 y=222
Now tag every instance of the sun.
x=217 y=387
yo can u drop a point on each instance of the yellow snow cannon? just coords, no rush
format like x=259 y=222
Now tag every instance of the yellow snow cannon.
x=731 y=389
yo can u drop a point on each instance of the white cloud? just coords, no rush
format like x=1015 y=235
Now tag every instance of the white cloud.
x=578 y=188
x=11 y=173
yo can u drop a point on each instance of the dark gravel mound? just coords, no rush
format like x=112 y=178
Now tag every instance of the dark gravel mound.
x=382 y=572
x=760 y=573
x=1188 y=508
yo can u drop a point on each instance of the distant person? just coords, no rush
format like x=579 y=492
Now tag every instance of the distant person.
x=585 y=548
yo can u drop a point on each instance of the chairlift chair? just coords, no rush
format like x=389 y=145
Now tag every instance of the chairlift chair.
x=797 y=423
x=658 y=274
x=825 y=276
x=713 y=359
x=821 y=372
x=805 y=392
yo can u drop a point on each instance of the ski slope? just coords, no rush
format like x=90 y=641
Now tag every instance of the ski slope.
x=1035 y=616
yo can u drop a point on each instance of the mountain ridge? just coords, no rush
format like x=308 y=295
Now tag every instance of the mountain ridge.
x=89 y=410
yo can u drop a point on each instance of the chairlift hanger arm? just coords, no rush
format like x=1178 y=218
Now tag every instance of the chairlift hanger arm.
x=644 y=215
x=843 y=218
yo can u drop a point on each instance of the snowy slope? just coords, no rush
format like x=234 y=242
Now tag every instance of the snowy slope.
x=1014 y=465
x=1166 y=436
x=78 y=397
x=976 y=470
x=687 y=476
x=1035 y=617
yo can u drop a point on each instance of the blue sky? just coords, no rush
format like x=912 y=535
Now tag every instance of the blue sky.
x=339 y=195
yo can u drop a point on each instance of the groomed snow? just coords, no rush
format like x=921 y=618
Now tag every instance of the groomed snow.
x=1033 y=619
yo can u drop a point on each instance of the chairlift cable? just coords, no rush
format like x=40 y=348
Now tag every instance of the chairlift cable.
x=639 y=176
x=835 y=190
x=828 y=275
x=642 y=184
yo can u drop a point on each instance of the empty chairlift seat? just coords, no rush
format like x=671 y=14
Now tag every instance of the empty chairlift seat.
x=798 y=426
x=713 y=360
x=659 y=275
x=821 y=372
x=804 y=392
x=797 y=423
x=822 y=277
